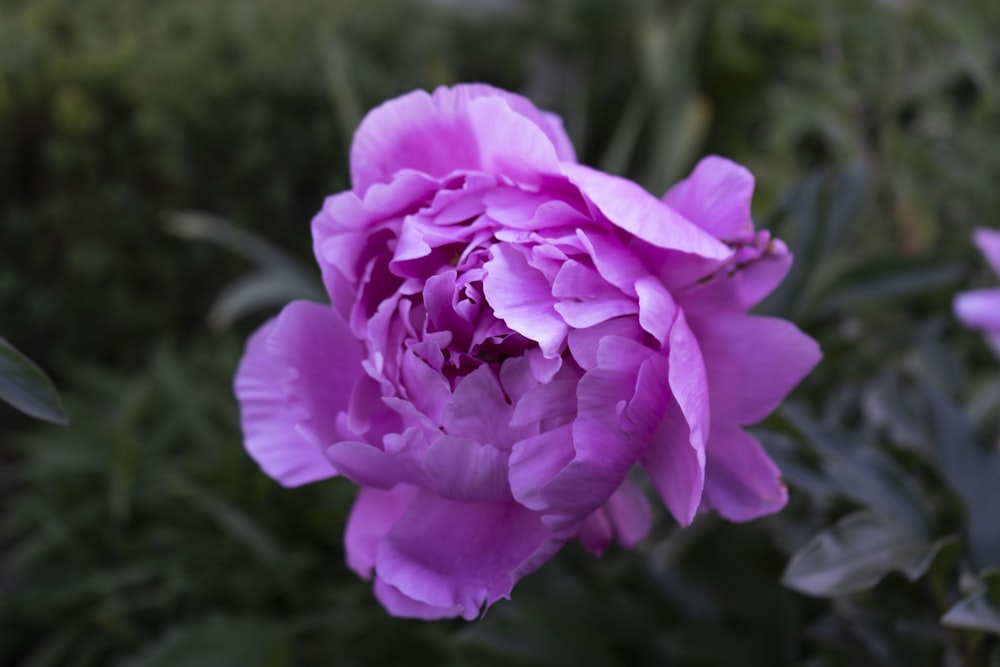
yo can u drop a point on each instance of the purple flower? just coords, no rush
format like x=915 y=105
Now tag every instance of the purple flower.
x=980 y=309
x=510 y=334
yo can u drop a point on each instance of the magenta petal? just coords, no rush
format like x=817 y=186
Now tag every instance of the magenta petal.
x=367 y=465
x=479 y=410
x=463 y=469
x=741 y=482
x=988 y=241
x=979 y=309
x=324 y=362
x=546 y=401
x=584 y=343
x=269 y=427
x=752 y=364
x=636 y=211
x=509 y=143
x=431 y=134
x=402 y=606
x=374 y=514
x=630 y=514
x=535 y=461
x=657 y=310
x=675 y=456
x=596 y=531
x=605 y=447
x=472 y=560
x=522 y=298
x=716 y=197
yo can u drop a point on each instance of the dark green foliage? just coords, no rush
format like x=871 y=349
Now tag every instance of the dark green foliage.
x=26 y=387
x=142 y=534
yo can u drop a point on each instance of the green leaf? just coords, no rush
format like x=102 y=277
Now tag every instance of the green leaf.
x=24 y=386
x=972 y=472
x=856 y=554
x=980 y=610
x=219 y=642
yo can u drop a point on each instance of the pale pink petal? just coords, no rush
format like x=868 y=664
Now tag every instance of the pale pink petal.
x=741 y=481
x=716 y=197
x=269 y=427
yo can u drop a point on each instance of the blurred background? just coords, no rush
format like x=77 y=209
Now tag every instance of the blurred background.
x=159 y=166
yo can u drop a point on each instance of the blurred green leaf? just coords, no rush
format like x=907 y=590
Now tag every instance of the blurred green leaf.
x=859 y=470
x=856 y=554
x=278 y=280
x=219 y=642
x=26 y=387
x=972 y=471
x=981 y=609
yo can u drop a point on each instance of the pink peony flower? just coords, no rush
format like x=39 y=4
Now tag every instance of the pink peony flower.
x=980 y=309
x=510 y=334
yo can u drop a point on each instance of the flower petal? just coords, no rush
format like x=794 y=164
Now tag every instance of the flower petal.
x=741 y=481
x=269 y=426
x=634 y=210
x=374 y=514
x=675 y=456
x=988 y=241
x=522 y=298
x=402 y=606
x=463 y=128
x=472 y=560
x=324 y=362
x=463 y=469
x=716 y=197
x=752 y=364
x=979 y=309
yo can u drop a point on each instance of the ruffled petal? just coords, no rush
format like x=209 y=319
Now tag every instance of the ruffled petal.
x=675 y=456
x=472 y=559
x=324 y=361
x=520 y=296
x=605 y=446
x=716 y=197
x=374 y=514
x=634 y=210
x=269 y=426
x=464 y=128
x=741 y=481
